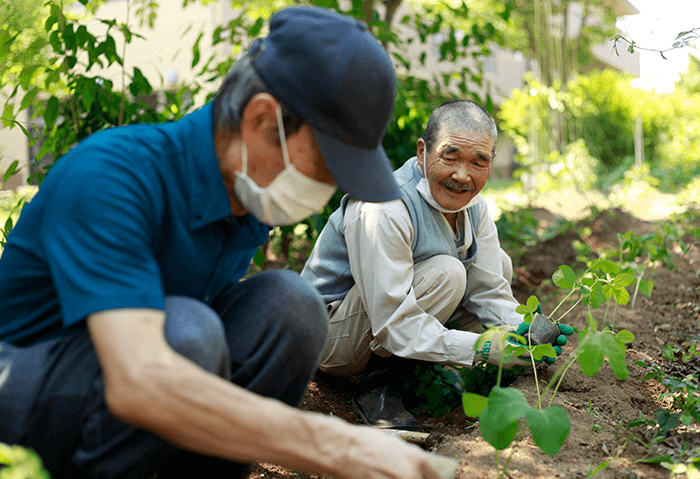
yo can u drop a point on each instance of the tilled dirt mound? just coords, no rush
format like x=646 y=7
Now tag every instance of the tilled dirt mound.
x=600 y=408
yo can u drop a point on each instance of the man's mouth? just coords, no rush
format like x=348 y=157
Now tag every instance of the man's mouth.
x=458 y=188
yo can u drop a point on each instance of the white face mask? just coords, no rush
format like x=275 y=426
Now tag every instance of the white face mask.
x=291 y=197
x=423 y=188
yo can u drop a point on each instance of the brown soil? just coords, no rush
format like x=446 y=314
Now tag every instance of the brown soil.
x=599 y=407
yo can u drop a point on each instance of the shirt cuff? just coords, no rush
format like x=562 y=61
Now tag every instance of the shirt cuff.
x=464 y=348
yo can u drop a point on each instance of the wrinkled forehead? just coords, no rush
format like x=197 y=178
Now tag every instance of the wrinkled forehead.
x=466 y=141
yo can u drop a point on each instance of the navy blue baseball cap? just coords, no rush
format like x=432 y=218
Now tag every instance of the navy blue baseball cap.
x=335 y=75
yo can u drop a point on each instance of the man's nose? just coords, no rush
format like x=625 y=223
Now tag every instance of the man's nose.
x=461 y=173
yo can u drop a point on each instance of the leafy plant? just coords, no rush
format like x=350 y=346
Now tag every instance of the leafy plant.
x=685 y=396
x=20 y=463
x=501 y=412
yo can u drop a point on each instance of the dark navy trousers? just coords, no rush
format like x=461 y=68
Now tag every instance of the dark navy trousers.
x=265 y=334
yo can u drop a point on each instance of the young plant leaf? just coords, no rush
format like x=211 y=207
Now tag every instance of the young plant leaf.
x=498 y=438
x=608 y=267
x=646 y=286
x=595 y=346
x=622 y=296
x=542 y=350
x=550 y=428
x=498 y=422
x=474 y=404
x=623 y=279
x=625 y=336
x=564 y=277
x=532 y=304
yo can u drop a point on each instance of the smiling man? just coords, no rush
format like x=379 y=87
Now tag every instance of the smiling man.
x=394 y=274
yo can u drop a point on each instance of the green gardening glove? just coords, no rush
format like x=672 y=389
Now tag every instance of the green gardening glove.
x=561 y=340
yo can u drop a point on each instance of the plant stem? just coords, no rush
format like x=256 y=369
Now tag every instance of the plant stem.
x=605 y=315
x=636 y=288
x=562 y=301
x=569 y=310
x=498 y=465
x=513 y=448
x=561 y=378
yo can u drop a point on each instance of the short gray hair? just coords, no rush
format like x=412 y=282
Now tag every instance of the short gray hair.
x=458 y=115
x=240 y=85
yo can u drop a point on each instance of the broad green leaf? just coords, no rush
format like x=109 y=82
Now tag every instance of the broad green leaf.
x=623 y=279
x=28 y=98
x=608 y=267
x=498 y=422
x=646 y=286
x=51 y=111
x=595 y=346
x=498 y=438
x=622 y=296
x=615 y=352
x=590 y=355
x=608 y=291
x=88 y=93
x=550 y=428
x=564 y=277
x=625 y=336
x=521 y=309
x=507 y=405
x=474 y=404
x=542 y=350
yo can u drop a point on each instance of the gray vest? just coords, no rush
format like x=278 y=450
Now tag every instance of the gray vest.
x=328 y=268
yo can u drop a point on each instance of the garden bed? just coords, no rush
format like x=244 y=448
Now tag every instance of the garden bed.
x=614 y=427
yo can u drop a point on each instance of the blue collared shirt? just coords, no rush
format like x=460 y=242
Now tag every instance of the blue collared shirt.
x=128 y=216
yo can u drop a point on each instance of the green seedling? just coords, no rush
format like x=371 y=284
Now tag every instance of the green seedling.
x=685 y=395
x=501 y=412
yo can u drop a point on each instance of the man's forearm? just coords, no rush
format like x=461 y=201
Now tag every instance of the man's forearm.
x=149 y=385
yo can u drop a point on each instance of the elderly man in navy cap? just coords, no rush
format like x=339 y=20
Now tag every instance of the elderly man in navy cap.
x=129 y=343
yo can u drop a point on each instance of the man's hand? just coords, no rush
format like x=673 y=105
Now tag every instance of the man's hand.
x=491 y=347
x=564 y=332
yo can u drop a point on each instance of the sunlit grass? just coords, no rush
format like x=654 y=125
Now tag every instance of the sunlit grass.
x=638 y=198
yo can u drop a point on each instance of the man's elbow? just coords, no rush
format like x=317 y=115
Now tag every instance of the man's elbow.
x=129 y=400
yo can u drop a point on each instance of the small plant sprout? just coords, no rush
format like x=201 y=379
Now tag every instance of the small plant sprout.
x=501 y=412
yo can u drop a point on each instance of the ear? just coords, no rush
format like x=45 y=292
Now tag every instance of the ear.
x=260 y=116
x=420 y=152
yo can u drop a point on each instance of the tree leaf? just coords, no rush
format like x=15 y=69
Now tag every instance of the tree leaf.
x=51 y=111
x=11 y=170
x=550 y=428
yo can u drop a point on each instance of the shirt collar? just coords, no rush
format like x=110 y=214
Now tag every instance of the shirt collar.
x=209 y=201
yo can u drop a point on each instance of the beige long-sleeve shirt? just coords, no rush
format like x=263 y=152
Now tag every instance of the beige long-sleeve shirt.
x=379 y=238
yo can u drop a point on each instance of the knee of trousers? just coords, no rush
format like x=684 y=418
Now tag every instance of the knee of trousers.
x=442 y=272
x=297 y=308
x=195 y=331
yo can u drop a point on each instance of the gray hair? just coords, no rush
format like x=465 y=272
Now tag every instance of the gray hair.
x=458 y=115
x=240 y=85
